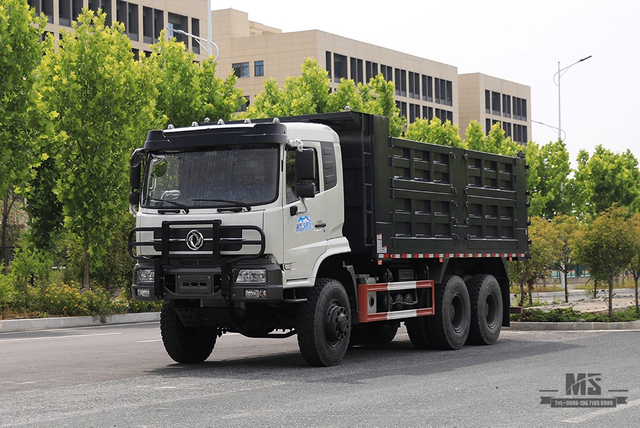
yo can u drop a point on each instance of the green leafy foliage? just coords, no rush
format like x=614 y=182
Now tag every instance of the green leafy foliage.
x=435 y=132
x=309 y=93
x=527 y=272
x=607 y=245
x=571 y=315
x=605 y=179
x=552 y=192
x=98 y=99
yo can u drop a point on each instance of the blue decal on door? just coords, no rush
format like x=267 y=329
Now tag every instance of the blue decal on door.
x=304 y=224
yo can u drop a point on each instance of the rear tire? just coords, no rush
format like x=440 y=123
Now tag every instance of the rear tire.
x=486 y=310
x=324 y=324
x=186 y=345
x=449 y=327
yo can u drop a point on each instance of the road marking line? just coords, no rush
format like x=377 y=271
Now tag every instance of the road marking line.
x=58 y=337
x=149 y=341
x=588 y=416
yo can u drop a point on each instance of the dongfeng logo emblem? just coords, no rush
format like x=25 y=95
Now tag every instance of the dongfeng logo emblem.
x=194 y=240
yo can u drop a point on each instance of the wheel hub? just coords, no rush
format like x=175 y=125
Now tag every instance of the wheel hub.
x=337 y=323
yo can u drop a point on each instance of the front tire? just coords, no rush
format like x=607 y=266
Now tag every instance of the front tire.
x=187 y=345
x=449 y=327
x=324 y=324
x=486 y=310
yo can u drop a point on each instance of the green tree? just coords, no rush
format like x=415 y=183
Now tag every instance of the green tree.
x=541 y=250
x=552 y=194
x=309 y=93
x=101 y=103
x=607 y=245
x=562 y=236
x=44 y=208
x=634 y=266
x=605 y=179
x=188 y=91
x=435 y=132
x=495 y=142
x=20 y=51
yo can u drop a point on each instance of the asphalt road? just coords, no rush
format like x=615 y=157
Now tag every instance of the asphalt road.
x=121 y=376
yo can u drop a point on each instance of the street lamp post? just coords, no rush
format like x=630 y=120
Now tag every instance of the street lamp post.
x=559 y=73
x=199 y=40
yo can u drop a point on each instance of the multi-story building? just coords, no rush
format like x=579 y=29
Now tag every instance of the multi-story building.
x=490 y=100
x=255 y=52
x=143 y=19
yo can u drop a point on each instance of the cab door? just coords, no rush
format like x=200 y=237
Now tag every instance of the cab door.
x=305 y=216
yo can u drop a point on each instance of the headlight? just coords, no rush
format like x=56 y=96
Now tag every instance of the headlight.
x=252 y=276
x=146 y=275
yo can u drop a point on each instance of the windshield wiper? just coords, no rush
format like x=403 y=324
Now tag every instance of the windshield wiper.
x=175 y=204
x=226 y=201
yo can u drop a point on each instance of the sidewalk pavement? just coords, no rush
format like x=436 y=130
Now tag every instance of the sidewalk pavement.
x=26 y=324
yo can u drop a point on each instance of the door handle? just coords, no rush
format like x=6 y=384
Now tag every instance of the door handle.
x=320 y=224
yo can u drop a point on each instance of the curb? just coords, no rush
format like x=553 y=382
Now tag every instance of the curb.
x=69 y=322
x=573 y=326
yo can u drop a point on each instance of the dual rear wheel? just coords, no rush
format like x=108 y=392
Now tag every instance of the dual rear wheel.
x=465 y=314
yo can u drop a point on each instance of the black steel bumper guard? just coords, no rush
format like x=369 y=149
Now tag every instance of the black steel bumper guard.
x=200 y=243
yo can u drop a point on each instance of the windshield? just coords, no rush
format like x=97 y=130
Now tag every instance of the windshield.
x=227 y=176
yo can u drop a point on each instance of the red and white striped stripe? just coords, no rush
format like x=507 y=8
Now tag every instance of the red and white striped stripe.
x=367 y=310
x=451 y=255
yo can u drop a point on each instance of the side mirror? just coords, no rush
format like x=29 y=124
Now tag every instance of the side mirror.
x=136 y=168
x=306 y=190
x=305 y=165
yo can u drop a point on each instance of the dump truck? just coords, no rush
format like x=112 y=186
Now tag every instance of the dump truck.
x=326 y=227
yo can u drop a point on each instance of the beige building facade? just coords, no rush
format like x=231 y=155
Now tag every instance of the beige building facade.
x=143 y=19
x=255 y=52
x=490 y=100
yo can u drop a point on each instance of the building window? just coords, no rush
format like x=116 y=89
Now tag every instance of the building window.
x=414 y=85
x=444 y=91
x=402 y=106
x=258 y=68
x=519 y=108
x=158 y=24
x=328 y=63
x=178 y=22
x=414 y=112
x=147 y=25
x=241 y=69
x=195 y=30
x=427 y=88
x=339 y=67
x=387 y=72
x=69 y=10
x=520 y=134
x=105 y=5
x=427 y=112
x=487 y=125
x=245 y=103
x=506 y=127
x=487 y=101
x=357 y=70
x=495 y=103
x=371 y=70
x=506 y=105
x=444 y=115
x=401 y=82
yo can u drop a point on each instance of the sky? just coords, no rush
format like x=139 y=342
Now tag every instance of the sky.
x=518 y=40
